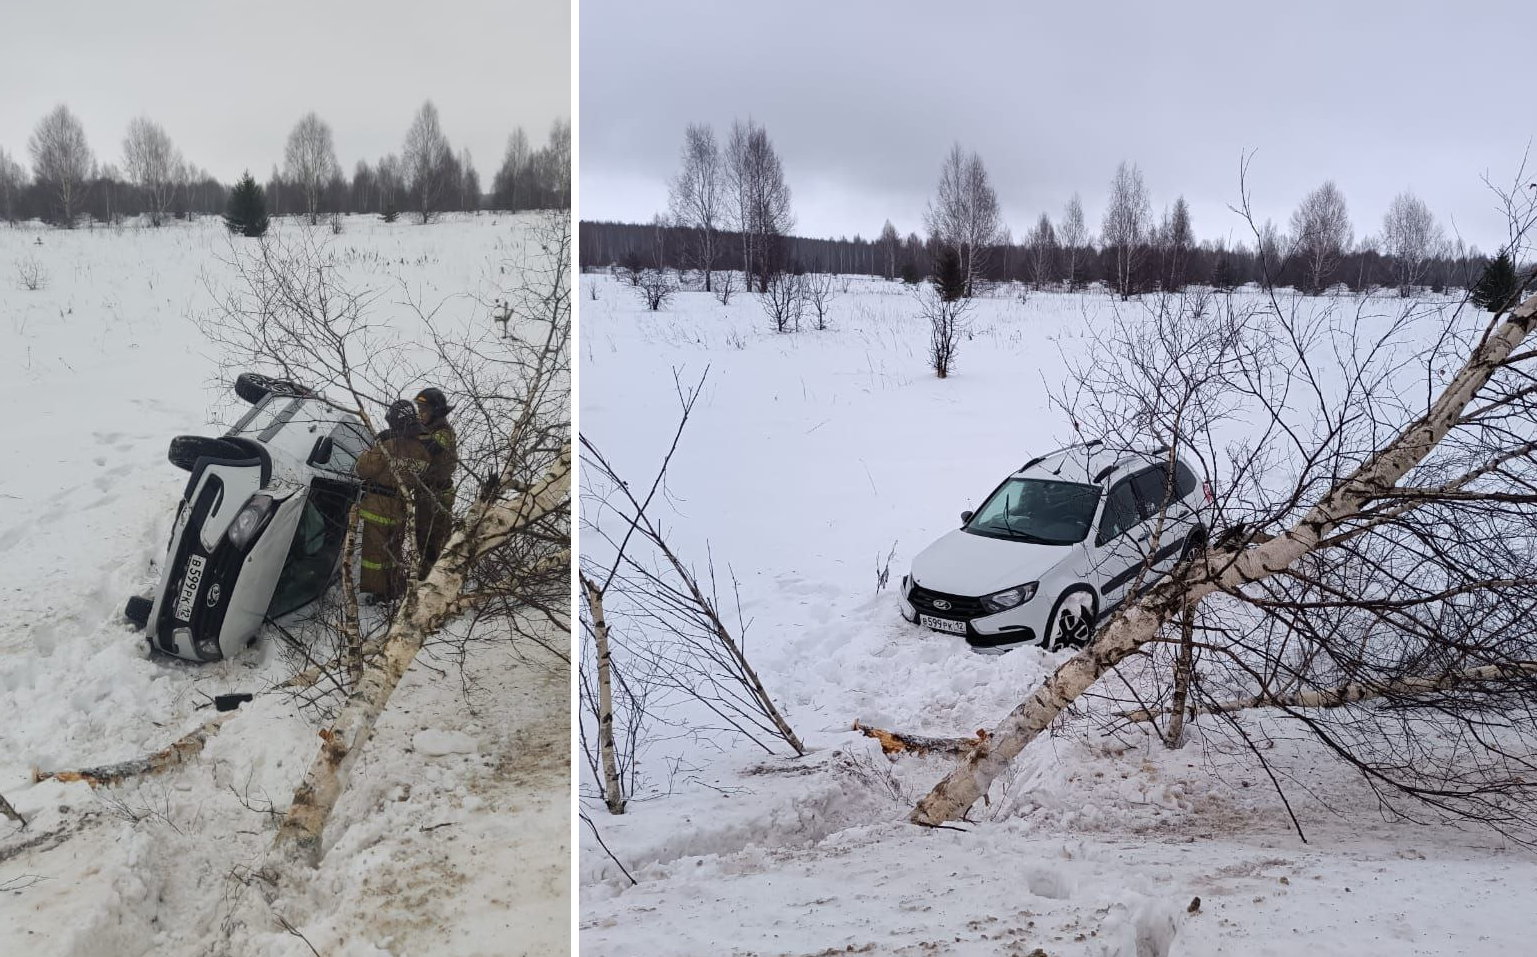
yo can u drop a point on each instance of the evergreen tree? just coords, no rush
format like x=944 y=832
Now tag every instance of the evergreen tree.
x=1497 y=286
x=949 y=277
x=246 y=213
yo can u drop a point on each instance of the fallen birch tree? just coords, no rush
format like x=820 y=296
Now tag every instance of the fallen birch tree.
x=1378 y=530
x=489 y=525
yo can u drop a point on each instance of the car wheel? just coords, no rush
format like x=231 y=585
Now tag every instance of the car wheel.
x=1072 y=621
x=1195 y=543
x=185 y=450
x=138 y=610
x=254 y=387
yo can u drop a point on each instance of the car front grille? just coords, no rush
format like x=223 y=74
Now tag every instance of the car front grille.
x=959 y=607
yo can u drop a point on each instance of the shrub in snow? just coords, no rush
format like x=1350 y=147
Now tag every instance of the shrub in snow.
x=31 y=275
x=655 y=289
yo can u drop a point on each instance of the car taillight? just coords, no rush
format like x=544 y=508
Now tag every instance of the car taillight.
x=1206 y=488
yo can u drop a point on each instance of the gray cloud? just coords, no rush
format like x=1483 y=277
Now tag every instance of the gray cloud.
x=863 y=98
x=228 y=81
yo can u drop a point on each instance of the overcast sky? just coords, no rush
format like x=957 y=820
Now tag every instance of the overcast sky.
x=228 y=81
x=862 y=100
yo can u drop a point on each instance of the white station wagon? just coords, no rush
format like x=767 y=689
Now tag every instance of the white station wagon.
x=1057 y=547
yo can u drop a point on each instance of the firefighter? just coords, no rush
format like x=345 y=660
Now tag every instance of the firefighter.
x=391 y=469
x=437 y=504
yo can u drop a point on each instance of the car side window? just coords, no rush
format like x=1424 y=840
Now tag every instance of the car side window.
x=1120 y=512
x=1152 y=490
x=347 y=444
x=1184 y=480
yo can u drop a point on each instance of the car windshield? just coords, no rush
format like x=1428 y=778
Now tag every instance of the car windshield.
x=1037 y=510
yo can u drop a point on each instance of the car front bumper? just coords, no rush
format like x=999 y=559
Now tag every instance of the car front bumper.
x=983 y=629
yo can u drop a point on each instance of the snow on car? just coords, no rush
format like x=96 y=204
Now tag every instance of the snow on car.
x=1057 y=547
x=260 y=527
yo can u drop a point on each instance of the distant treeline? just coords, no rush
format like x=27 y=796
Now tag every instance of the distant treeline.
x=65 y=181
x=637 y=246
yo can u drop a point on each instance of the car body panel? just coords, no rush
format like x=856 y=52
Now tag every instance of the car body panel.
x=259 y=575
x=964 y=563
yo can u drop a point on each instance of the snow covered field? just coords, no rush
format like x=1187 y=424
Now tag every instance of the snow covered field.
x=806 y=458
x=454 y=838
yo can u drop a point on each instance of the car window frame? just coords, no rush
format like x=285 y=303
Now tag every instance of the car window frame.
x=1100 y=541
x=1167 y=491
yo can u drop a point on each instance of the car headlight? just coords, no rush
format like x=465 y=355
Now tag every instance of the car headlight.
x=249 y=521
x=1009 y=597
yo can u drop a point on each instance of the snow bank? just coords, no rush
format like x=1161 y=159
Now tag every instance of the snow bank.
x=808 y=457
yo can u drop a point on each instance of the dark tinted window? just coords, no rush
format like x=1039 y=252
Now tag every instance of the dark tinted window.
x=1152 y=489
x=1120 y=512
x=1184 y=480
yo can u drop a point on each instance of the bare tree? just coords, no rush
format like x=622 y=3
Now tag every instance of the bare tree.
x=675 y=635
x=725 y=286
x=1273 y=250
x=817 y=291
x=783 y=299
x=469 y=182
x=62 y=161
x=425 y=160
x=152 y=163
x=655 y=288
x=31 y=274
x=943 y=302
x=1176 y=242
x=696 y=196
x=309 y=160
x=1074 y=238
x=1321 y=232
x=509 y=187
x=964 y=212
x=890 y=245
x=760 y=199
x=1410 y=237
x=1043 y=252
x=1126 y=226
x=13 y=179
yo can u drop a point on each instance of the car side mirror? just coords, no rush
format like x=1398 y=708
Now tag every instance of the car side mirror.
x=966 y=516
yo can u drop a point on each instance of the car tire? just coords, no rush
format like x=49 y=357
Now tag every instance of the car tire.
x=137 y=610
x=1083 y=617
x=1195 y=543
x=254 y=387
x=185 y=450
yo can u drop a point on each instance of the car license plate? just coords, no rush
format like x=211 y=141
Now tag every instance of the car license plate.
x=189 y=584
x=943 y=624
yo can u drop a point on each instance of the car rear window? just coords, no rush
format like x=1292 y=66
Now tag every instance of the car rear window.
x=1184 y=480
x=1152 y=489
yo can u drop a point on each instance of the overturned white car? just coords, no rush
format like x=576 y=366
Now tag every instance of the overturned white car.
x=260 y=527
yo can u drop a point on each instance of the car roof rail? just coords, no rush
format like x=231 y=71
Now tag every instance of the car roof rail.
x=1091 y=443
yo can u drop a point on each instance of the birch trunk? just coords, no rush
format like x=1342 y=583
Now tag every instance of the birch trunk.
x=1357 y=691
x=952 y=797
x=613 y=794
x=1183 y=666
x=488 y=525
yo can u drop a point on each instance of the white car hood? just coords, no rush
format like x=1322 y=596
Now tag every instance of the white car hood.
x=961 y=563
